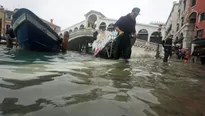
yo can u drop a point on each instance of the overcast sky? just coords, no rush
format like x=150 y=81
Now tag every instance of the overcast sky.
x=68 y=12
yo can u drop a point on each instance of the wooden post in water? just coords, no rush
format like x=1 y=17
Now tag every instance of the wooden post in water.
x=65 y=42
x=86 y=46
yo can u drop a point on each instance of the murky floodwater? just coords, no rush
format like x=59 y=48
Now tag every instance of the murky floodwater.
x=45 y=84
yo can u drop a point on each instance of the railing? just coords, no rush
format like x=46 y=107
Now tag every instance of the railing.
x=147 y=45
x=139 y=43
x=81 y=33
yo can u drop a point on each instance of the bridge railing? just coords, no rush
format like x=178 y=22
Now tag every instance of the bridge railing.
x=81 y=32
x=139 y=43
x=147 y=45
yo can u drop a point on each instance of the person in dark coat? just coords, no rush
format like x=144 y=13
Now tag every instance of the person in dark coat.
x=125 y=27
x=10 y=37
x=0 y=35
x=61 y=38
x=194 y=56
x=167 y=44
x=95 y=34
x=202 y=57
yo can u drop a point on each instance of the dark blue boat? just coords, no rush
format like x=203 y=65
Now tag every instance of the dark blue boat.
x=33 y=34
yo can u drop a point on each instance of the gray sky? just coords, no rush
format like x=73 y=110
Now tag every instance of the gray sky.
x=68 y=12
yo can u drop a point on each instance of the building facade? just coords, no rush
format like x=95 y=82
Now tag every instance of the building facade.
x=147 y=32
x=1 y=22
x=197 y=12
x=185 y=27
x=182 y=24
x=171 y=23
x=6 y=18
x=56 y=28
x=197 y=15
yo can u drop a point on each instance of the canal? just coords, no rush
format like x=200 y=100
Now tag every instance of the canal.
x=47 y=84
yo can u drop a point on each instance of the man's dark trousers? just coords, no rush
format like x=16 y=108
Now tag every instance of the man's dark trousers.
x=167 y=53
x=123 y=46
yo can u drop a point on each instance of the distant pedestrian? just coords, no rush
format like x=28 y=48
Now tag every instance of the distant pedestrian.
x=10 y=37
x=95 y=33
x=167 y=44
x=65 y=41
x=179 y=54
x=202 y=57
x=61 y=38
x=183 y=53
x=187 y=56
x=0 y=35
x=194 y=56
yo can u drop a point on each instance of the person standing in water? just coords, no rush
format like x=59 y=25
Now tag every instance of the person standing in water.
x=10 y=37
x=0 y=35
x=61 y=38
x=194 y=56
x=167 y=44
x=125 y=27
x=65 y=41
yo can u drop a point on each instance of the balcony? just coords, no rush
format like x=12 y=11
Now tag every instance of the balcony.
x=9 y=16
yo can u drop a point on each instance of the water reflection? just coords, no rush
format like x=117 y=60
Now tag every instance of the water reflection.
x=10 y=106
x=18 y=84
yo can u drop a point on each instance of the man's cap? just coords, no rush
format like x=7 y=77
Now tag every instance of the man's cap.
x=136 y=10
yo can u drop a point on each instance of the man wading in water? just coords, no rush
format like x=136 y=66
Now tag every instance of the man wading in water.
x=167 y=44
x=125 y=27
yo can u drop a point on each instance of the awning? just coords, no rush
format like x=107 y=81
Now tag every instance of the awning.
x=199 y=41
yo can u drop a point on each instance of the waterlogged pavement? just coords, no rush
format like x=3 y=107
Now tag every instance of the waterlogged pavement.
x=45 y=84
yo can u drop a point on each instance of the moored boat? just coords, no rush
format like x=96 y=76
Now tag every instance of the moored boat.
x=33 y=34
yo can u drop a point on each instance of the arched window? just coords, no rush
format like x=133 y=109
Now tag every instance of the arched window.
x=143 y=34
x=102 y=26
x=156 y=37
x=75 y=29
x=91 y=20
x=82 y=27
x=111 y=27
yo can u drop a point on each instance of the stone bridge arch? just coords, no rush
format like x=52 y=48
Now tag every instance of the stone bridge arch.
x=79 y=38
x=111 y=27
x=82 y=27
x=143 y=34
x=70 y=31
x=102 y=26
x=75 y=29
x=92 y=19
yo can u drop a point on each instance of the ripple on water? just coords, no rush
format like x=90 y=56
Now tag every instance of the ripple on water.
x=41 y=84
x=143 y=94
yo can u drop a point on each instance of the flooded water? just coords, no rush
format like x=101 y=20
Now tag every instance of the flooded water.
x=47 y=84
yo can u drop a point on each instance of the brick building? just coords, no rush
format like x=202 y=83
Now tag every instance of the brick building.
x=178 y=25
x=56 y=28
x=197 y=15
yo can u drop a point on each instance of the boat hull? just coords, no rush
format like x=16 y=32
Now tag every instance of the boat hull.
x=33 y=34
